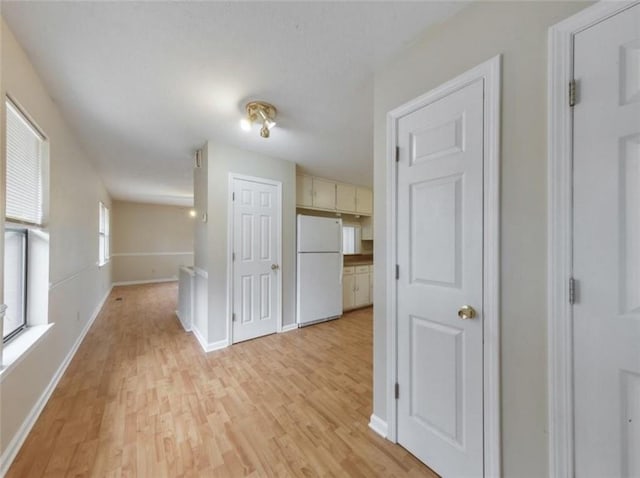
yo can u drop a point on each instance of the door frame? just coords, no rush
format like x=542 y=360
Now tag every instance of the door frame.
x=230 y=239
x=489 y=72
x=560 y=232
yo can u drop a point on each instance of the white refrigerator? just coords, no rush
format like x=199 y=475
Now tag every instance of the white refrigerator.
x=319 y=291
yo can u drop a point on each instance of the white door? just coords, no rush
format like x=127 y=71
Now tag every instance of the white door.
x=256 y=246
x=439 y=251
x=606 y=248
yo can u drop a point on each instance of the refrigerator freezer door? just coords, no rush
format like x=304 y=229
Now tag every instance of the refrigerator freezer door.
x=319 y=234
x=319 y=286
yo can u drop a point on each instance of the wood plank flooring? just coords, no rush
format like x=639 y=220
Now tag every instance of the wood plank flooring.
x=141 y=399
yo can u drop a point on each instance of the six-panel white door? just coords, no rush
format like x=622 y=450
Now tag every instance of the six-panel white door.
x=606 y=248
x=256 y=239
x=440 y=250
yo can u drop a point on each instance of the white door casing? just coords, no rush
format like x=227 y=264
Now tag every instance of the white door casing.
x=430 y=270
x=256 y=276
x=593 y=214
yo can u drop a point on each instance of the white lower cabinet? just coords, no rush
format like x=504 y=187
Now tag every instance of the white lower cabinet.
x=356 y=287
x=348 y=287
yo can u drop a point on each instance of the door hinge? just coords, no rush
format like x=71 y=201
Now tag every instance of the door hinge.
x=572 y=290
x=233 y=196
x=233 y=317
x=397 y=272
x=572 y=93
x=233 y=256
x=397 y=391
x=397 y=154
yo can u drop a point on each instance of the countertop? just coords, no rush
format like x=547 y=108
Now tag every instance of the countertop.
x=358 y=260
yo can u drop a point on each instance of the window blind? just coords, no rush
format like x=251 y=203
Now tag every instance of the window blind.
x=24 y=168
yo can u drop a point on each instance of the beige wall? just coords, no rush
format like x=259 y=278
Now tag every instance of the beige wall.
x=76 y=284
x=150 y=241
x=518 y=30
x=220 y=161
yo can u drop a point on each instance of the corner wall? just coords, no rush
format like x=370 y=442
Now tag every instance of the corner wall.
x=220 y=160
x=482 y=30
x=150 y=241
x=77 y=286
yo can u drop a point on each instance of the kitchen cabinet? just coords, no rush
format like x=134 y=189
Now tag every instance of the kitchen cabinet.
x=357 y=287
x=304 y=190
x=367 y=228
x=348 y=287
x=345 y=197
x=326 y=195
x=364 y=201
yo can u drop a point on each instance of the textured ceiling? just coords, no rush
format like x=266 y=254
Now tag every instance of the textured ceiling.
x=144 y=84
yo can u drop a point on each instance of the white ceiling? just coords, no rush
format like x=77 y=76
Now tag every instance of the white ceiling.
x=144 y=84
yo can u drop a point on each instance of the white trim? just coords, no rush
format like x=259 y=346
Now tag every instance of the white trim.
x=209 y=346
x=16 y=350
x=18 y=439
x=288 y=328
x=182 y=322
x=230 y=205
x=189 y=270
x=53 y=285
x=489 y=72
x=145 y=281
x=378 y=425
x=560 y=153
x=130 y=254
x=201 y=272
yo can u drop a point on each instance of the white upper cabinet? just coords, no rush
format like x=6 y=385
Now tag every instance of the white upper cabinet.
x=304 y=190
x=367 y=228
x=345 y=197
x=364 y=201
x=327 y=195
x=324 y=194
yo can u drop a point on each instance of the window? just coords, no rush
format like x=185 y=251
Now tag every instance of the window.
x=351 y=240
x=15 y=281
x=24 y=211
x=103 y=235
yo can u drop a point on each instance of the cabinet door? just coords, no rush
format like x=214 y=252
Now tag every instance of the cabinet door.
x=304 y=190
x=367 y=228
x=345 y=197
x=324 y=194
x=348 y=296
x=364 y=200
x=362 y=289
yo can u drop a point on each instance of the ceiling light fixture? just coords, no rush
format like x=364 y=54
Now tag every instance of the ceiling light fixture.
x=259 y=111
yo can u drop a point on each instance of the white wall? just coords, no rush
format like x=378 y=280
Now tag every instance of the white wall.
x=220 y=160
x=150 y=241
x=77 y=285
x=518 y=30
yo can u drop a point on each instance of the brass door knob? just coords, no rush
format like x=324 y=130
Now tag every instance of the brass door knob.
x=466 y=312
x=275 y=267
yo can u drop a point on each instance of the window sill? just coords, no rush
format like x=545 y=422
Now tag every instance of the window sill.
x=19 y=347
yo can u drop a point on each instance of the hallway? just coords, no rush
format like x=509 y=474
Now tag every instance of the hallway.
x=141 y=399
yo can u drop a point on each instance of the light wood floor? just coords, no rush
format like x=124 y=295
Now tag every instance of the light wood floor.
x=141 y=399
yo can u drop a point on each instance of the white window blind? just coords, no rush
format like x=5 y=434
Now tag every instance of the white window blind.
x=24 y=168
x=103 y=235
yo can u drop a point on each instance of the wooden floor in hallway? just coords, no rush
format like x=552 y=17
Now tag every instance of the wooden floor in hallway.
x=141 y=399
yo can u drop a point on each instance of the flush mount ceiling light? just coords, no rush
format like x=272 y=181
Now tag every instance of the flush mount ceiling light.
x=260 y=112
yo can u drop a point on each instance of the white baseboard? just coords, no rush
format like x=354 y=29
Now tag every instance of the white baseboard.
x=21 y=435
x=150 y=281
x=378 y=425
x=287 y=328
x=209 y=346
x=182 y=322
